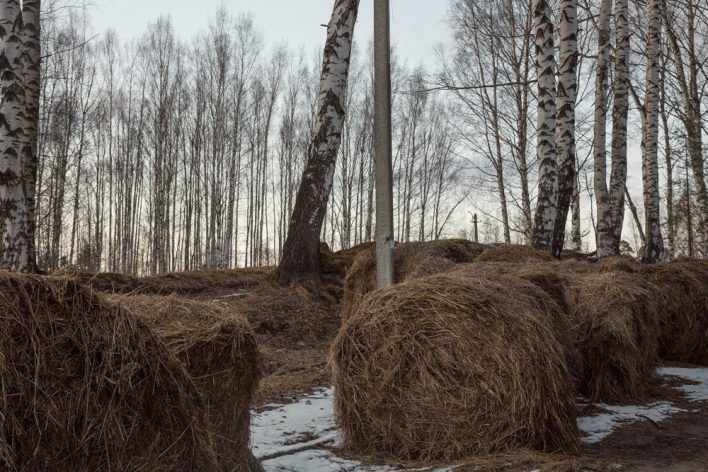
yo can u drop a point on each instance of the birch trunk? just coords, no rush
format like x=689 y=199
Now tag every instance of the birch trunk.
x=604 y=216
x=301 y=252
x=31 y=71
x=620 y=110
x=565 y=122
x=654 y=247
x=545 y=148
x=14 y=249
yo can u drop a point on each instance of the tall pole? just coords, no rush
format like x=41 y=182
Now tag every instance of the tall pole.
x=382 y=145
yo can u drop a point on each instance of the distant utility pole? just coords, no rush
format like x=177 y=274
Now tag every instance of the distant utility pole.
x=382 y=145
x=476 y=229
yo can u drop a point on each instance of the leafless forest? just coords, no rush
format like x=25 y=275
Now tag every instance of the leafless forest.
x=161 y=153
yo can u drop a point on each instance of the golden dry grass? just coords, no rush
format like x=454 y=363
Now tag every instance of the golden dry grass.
x=454 y=365
x=85 y=385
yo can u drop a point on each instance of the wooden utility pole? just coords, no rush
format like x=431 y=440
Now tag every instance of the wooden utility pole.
x=476 y=229
x=382 y=145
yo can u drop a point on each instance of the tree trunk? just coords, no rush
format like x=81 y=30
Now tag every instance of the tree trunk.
x=620 y=110
x=565 y=122
x=654 y=248
x=301 y=252
x=31 y=72
x=546 y=153
x=14 y=247
x=604 y=216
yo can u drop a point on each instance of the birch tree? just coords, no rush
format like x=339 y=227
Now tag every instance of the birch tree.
x=565 y=122
x=654 y=247
x=31 y=73
x=545 y=216
x=300 y=258
x=604 y=215
x=620 y=109
x=14 y=247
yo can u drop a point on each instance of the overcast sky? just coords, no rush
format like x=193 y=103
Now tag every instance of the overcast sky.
x=417 y=26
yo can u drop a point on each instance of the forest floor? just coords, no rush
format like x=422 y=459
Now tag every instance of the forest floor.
x=293 y=421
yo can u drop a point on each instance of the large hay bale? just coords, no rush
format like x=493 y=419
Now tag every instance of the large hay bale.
x=453 y=365
x=411 y=260
x=682 y=297
x=86 y=386
x=513 y=253
x=615 y=320
x=219 y=350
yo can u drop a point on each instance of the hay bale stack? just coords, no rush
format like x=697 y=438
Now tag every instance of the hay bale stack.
x=453 y=365
x=87 y=386
x=513 y=253
x=683 y=309
x=616 y=323
x=411 y=260
x=219 y=351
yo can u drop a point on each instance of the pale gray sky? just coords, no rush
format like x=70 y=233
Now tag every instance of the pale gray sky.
x=417 y=25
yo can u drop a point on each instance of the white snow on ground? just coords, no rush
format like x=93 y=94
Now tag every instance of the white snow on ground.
x=297 y=437
x=307 y=422
x=598 y=427
x=697 y=392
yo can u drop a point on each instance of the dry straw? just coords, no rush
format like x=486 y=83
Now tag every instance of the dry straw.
x=411 y=260
x=219 y=351
x=616 y=324
x=87 y=386
x=682 y=297
x=454 y=365
x=512 y=253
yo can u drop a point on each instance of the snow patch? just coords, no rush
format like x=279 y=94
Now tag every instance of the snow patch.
x=598 y=427
x=697 y=392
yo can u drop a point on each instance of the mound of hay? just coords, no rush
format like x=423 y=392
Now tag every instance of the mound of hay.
x=411 y=260
x=512 y=253
x=182 y=283
x=617 y=264
x=219 y=351
x=453 y=365
x=86 y=386
x=682 y=297
x=616 y=323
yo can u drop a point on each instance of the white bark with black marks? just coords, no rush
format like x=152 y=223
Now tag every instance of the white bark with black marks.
x=604 y=215
x=14 y=249
x=545 y=217
x=300 y=262
x=565 y=120
x=620 y=110
x=654 y=247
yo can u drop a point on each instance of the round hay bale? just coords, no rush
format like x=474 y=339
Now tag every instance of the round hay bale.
x=218 y=348
x=450 y=366
x=87 y=386
x=682 y=297
x=411 y=260
x=615 y=319
x=512 y=253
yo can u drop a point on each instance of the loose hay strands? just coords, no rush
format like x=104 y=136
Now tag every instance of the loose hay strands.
x=616 y=330
x=617 y=264
x=512 y=253
x=87 y=386
x=450 y=366
x=219 y=350
x=682 y=297
x=411 y=260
